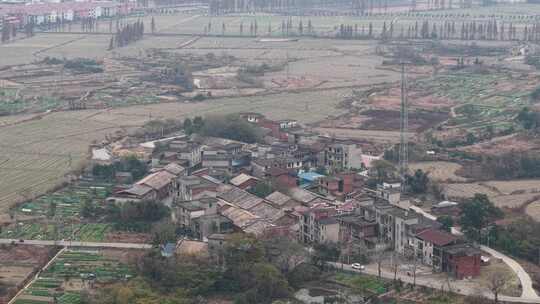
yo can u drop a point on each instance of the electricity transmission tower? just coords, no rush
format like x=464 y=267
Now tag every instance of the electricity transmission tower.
x=403 y=128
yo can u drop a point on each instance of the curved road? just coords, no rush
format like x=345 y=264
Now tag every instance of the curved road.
x=429 y=282
x=528 y=295
x=528 y=291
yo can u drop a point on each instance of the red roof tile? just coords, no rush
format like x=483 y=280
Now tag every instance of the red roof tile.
x=437 y=237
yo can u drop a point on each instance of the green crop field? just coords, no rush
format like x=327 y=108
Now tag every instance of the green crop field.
x=480 y=99
x=67 y=204
x=74 y=266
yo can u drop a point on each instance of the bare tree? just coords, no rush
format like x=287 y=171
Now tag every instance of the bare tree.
x=379 y=256
x=496 y=283
x=413 y=266
x=394 y=263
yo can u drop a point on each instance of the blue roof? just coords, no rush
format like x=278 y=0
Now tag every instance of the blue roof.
x=168 y=249
x=310 y=176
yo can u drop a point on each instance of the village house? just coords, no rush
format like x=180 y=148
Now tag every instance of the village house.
x=157 y=186
x=243 y=220
x=184 y=212
x=341 y=155
x=281 y=178
x=188 y=187
x=282 y=201
x=262 y=165
x=319 y=225
x=461 y=261
x=41 y=13
x=429 y=246
x=208 y=224
x=356 y=229
x=189 y=152
x=217 y=160
x=244 y=181
x=337 y=186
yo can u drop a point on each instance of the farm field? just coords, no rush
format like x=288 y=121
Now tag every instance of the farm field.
x=67 y=204
x=36 y=155
x=93 y=232
x=196 y=22
x=17 y=263
x=68 y=201
x=533 y=210
x=439 y=170
x=72 y=272
x=388 y=137
x=509 y=194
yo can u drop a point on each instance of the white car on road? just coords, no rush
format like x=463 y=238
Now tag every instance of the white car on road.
x=358 y=266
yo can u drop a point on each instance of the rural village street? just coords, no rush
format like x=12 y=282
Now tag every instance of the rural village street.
x=528 y=294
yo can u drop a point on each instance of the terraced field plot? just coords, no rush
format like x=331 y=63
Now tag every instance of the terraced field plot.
x=68 y=203
x=509 y=194
x=69 y=274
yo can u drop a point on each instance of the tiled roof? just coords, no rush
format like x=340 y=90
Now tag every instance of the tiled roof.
x=265 y=210
x=241 y=198
x=157 y=180
x=137 y=190
x=302 y=195
x=437 y=237
x=174 y=168
x=278 y=198
x=242 y=178
x=240 y=217
x=257 y=227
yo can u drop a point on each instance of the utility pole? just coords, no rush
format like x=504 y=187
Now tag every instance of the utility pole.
x=287 y=68
x=403 y=128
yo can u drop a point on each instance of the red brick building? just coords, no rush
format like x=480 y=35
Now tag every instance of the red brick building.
x=282 y=178
x=338 y=186
x=462 y=261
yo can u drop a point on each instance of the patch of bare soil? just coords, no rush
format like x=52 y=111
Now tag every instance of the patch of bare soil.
x=505 y=144
x=124 y=237
x=533 y=210
x=390 y=119
x=511 y=288
x=439 y=170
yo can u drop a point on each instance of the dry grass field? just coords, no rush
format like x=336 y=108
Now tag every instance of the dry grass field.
x=18 y=262
x=388 y=137
x=439 y=170
x=533 y=210
x=509 y=194
x=512 y=287
x=36 y=155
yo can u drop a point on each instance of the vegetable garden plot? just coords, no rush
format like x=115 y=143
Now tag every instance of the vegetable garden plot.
x=76 y=267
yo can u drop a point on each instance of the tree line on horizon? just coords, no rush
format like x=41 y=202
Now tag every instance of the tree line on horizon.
x=473 y=30
x=127 y=34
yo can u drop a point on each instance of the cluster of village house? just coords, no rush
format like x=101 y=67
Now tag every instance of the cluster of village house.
x=53 y=12
x=207 y=183
x=19 y=13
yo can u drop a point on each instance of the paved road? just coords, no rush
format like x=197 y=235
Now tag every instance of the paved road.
x=526 y=282
x=78 y=244
x=436 y=284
